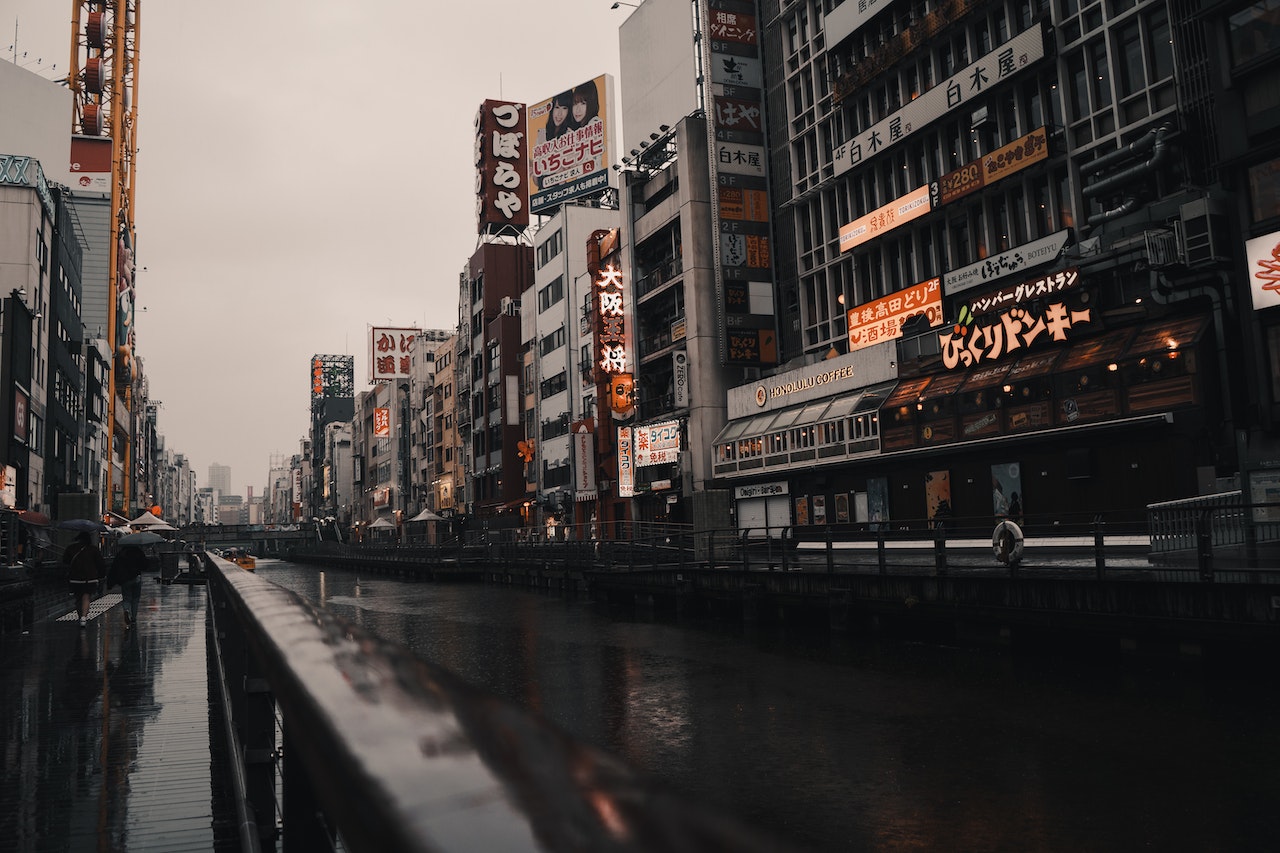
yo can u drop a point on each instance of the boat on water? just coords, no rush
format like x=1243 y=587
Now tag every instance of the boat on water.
x=241 y=558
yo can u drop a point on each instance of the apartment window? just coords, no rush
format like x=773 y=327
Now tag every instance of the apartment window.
x=551 y=342
x=551 y=294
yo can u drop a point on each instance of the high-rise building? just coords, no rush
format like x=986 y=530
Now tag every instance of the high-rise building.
x=220 y=478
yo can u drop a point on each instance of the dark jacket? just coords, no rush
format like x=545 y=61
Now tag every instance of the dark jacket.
x=129 y=564
x=86 y=563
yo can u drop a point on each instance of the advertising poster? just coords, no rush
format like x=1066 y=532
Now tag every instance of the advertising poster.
x=937 y=495
x=569 y=157
x=819 y=509
x=802 y=510
x=878 y=503
x=842 y=508
x=1006 y=491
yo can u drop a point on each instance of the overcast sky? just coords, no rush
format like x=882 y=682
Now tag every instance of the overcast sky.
x=305 y=172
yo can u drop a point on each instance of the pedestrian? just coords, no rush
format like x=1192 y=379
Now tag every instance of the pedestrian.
x=126 y=570
x=85 y=570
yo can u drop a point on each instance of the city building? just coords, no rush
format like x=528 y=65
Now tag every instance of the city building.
x=1017 y=215
x=560 y=390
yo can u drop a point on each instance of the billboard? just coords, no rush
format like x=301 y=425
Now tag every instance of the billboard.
x=742 y=254
x=882 y=319
x=332 y=376
x=1263 y=255
x=569 y=155
x=391 y=352
x=502 y=176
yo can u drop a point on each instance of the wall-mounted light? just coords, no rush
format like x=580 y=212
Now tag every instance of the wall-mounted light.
x=653 y=136
x=664 y=127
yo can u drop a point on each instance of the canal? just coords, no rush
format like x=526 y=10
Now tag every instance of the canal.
x=863 y=743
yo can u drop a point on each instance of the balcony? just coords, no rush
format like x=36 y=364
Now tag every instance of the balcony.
x=658 y=275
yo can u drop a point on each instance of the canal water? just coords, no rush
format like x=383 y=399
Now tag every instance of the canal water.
x=863 y=743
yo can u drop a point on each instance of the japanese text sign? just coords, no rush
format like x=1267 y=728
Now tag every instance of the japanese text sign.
x=391 y=353
x=502 y=192
x=1014 y=330
x=381 y=422
x=954 y=93
x=657 y=444
x=882 y=319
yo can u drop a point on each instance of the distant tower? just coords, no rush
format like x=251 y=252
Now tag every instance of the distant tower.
x=220 y=478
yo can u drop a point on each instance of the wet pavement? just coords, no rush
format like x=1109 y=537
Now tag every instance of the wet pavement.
x=106 y=731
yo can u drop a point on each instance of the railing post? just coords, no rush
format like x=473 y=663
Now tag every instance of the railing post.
x=831 y=554
x=940 y=549
x=1204 y=545
x=782 y=547
x=881 y=562
x=746 y=558
x=1099 y=542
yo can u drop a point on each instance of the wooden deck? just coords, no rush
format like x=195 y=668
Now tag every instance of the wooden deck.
x=110 y=739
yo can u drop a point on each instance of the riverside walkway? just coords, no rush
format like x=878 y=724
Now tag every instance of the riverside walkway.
x=109 y=739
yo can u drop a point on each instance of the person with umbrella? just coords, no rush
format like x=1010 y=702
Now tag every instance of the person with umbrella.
x=126 y=571
x=85 y=569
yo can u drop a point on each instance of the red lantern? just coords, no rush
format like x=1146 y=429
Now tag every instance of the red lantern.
x=155 y=510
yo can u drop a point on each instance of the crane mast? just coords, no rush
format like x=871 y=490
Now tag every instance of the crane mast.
x=104 y=79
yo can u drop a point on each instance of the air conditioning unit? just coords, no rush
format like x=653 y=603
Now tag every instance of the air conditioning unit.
x=509 y=306
x=1204 y=231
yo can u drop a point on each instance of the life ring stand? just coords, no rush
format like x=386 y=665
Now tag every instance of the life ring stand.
x=1006 y=543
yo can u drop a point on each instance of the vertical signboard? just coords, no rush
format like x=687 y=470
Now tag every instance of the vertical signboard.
x=381 y=422
x=569 y=153
x=584 y=460
x=391 y=353
x=742 y=252
x=502 y=192
x=611 y=340
x=626 y=464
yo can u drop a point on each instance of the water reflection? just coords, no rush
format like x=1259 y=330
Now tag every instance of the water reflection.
x=863 y=743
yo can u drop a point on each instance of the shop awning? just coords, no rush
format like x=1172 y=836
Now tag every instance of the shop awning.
x=908 y=392
x=944 y=385
x=1167 y=335
x=1103 y=349
x=985 y=377
x=1032 y=366
x=873 y=398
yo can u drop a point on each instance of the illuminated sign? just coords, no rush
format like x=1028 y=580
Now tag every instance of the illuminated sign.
x=1263 y=255
x=952 y=94
x=1001 y=163
x=657 y=444
x=881 y=320
x=1048 y=285
x=611 y=329
x=381 y=422
x=911 y=206
x=990 y=269
x=332 y=376
x=392 y=351
x=1015 y=329
x=626 y=464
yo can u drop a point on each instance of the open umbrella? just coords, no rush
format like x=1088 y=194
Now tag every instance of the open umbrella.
x=142 y=537
x=87 y=525
x=30 y=516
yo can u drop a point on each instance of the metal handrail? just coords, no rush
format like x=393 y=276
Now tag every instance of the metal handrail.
x=402 y=754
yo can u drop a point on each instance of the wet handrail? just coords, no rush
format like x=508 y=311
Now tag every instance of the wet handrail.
x=404 y=755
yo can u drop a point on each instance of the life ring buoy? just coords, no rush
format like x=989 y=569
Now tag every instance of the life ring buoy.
x=1006 y=543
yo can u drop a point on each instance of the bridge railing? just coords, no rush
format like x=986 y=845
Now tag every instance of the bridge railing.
x=390 y=752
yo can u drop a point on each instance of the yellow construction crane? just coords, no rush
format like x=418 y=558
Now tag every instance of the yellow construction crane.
x=104 y=78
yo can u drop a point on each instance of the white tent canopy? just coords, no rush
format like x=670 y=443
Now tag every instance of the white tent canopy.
x=381 y=524
x=427 y=515
x=150 y=521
